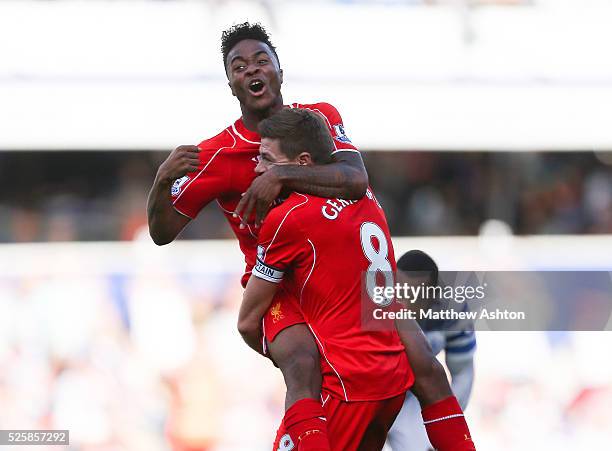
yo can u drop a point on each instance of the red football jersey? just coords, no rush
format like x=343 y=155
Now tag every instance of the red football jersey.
x=320 y=248
x=227 y=168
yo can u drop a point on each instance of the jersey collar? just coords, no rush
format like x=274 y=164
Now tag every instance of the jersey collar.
x=246 y=134
x=249 y=136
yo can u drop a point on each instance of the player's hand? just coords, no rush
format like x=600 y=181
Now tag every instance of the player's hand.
x=181 y=161
x=264 y=190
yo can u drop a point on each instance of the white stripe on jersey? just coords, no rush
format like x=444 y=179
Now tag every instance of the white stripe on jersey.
x=205 y=166
x=242 y=137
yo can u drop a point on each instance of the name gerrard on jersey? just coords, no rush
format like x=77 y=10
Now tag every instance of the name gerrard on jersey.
x=333 y=207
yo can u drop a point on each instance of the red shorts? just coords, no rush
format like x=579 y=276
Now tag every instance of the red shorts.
x=284 y=312
x=353 y=426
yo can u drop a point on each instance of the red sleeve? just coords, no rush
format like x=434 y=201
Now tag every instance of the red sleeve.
x=194 y=191
x=336 y=127
x=279 y=244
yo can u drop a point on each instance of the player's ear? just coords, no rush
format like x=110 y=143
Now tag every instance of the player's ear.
x=280 y=71
x=304 y=159
x=229 y=83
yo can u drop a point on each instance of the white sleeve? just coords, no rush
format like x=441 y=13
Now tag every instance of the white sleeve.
x=460 y=348
x=462 y=379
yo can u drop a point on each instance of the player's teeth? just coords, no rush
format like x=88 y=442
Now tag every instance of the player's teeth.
x=256 y=86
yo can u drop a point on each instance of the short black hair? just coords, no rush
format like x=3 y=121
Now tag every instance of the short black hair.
x=418 y=261
x=242 y=31
x=299 y=131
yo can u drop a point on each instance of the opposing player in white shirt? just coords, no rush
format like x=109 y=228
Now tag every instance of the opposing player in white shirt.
x=457 y=339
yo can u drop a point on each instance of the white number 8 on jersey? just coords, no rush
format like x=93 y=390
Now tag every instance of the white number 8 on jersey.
x=379 y=261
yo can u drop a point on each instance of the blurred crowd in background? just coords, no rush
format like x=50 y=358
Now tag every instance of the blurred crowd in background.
x=146 y=355
x=93 y=196
x=151 y=362
x=154 y=361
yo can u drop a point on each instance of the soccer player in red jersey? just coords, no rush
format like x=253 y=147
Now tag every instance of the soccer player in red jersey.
x=316 y=249
x=222 y=169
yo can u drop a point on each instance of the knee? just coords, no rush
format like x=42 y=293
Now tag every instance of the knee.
x=295 y=352
x=301 y=366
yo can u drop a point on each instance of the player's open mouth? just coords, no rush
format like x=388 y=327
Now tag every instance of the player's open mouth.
x=257 y=87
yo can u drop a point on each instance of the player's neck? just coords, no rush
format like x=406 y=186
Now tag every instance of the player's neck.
x=251 y=119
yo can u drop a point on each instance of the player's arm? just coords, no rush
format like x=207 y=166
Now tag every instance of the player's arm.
x=430 y=384
x=344 y=178
x=256 y=300
x=278 y=248
x=442 y=415
x=459 y=358
x=165 y=223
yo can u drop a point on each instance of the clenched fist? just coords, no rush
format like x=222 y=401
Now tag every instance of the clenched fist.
x=182 y=160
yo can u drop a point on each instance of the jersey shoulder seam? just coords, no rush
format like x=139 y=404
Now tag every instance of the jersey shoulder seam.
x=208 y=163
x=212 y=143
x=285 y=215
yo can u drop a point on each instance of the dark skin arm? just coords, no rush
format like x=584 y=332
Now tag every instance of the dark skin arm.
x=165 y=223
x=430 y=383
x=345 y=178
x=256 y=300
